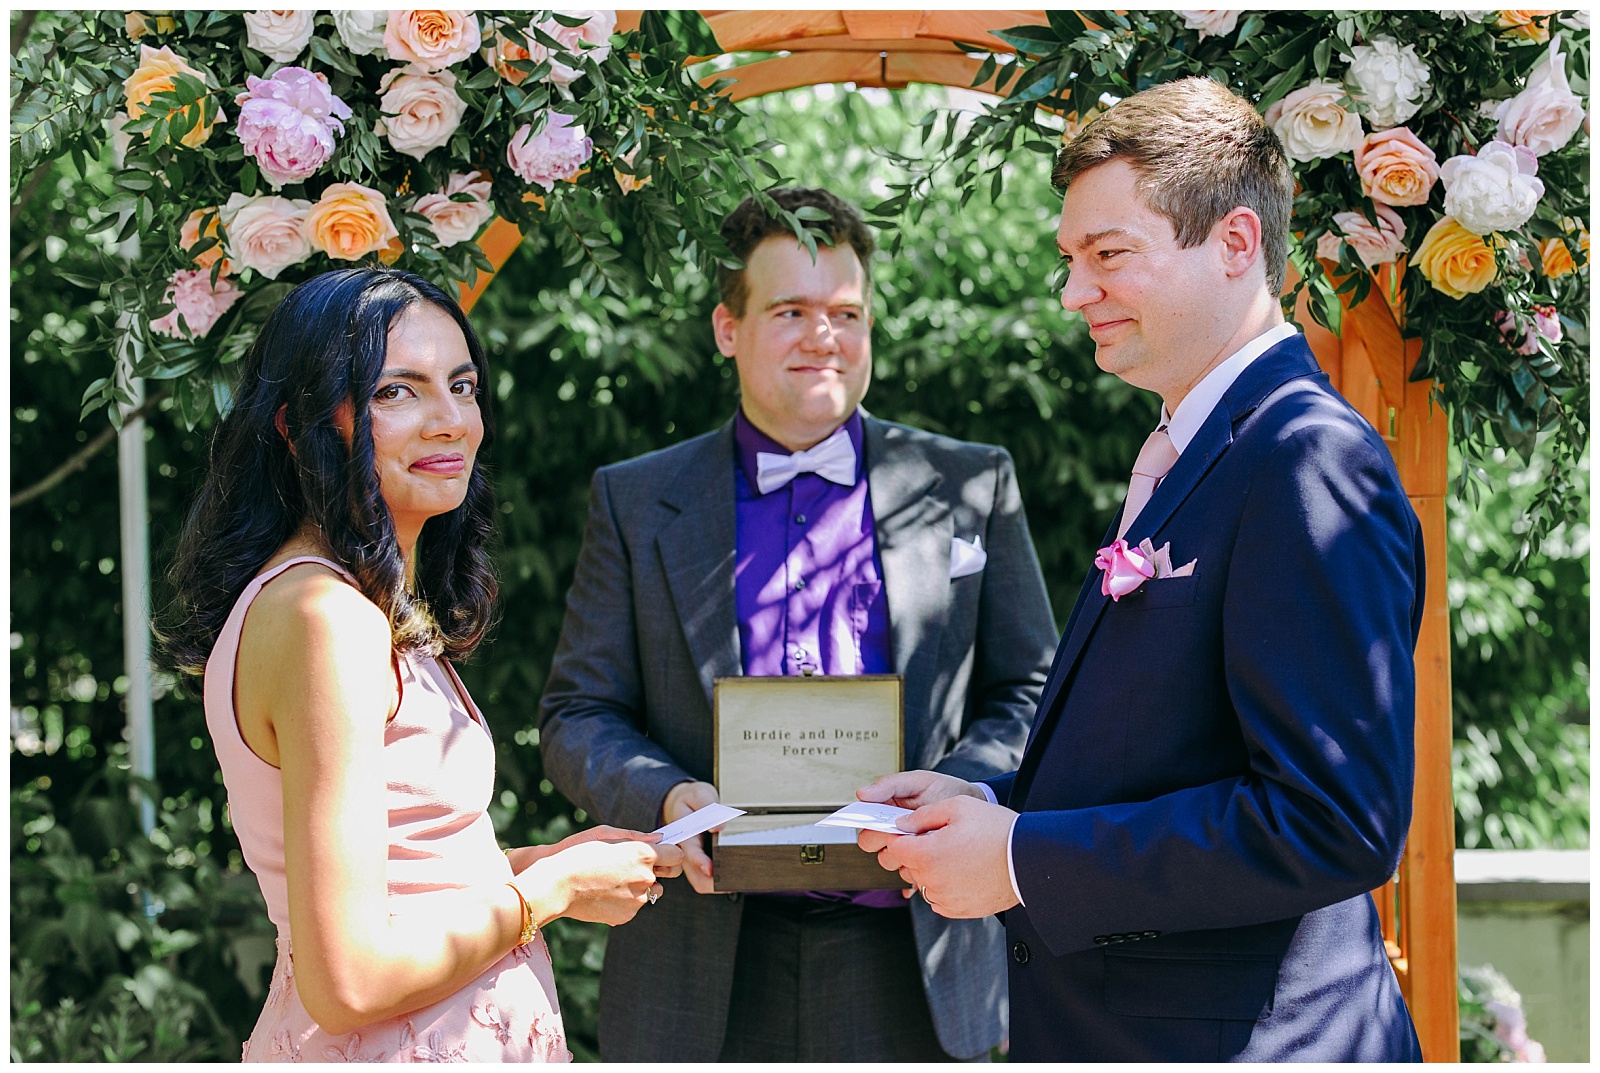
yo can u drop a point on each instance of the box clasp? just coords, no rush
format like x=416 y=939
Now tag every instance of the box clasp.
x=813 y=854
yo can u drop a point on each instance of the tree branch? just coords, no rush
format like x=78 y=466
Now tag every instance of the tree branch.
x=83 y=455
x=19 y=30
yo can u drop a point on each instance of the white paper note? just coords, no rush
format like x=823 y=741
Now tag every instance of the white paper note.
x=867 y=816
x=698 y=822
x=803 y=835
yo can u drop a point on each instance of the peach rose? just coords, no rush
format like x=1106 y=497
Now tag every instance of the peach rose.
x=1375 y=245
x=434 y=39
x=420 y=110
x=190 y=235
x=1396 y=168
x=1454 y=260
x=1312 y=125
x=499 y=52
x=458 y=221
x=158 y=67
x=1525 y=25
x=138 y=23
x=350 y=221
x=626 y=182
x=266 y=232
x=1556 y=259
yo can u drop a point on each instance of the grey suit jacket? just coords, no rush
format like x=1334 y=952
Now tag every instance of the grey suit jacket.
x=650 y=621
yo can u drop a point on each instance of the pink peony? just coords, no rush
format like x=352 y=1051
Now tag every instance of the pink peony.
x=458 y=221
x=595 y=32
x=558 y=152
x=1522 y=335
x=200 y=304
x=1125 y=569
x=1396 y=168
x=288 y=122
x=1375 y=245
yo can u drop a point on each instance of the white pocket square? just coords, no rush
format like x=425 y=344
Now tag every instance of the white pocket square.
x=1161 y=558
x=966 y=558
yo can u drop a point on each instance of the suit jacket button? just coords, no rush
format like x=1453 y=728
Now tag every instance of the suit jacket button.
x=1020 y=953
x=1101 y=940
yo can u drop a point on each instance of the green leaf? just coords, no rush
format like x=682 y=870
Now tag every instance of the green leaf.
x=1032 y=40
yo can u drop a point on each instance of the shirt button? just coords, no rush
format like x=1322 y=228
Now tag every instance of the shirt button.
x=1020 y=953
x=1101 y=940
x=800 y=584
x=799 y=519
x=1151 y=934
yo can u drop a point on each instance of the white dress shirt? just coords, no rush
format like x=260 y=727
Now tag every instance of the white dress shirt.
x=1182 y=427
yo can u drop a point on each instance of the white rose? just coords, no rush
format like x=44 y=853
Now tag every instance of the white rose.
x=281 y=35
x=1577 y=20
x=1389 y=81
x=596 y=32
x=1466 y=16
x=1312 y=125
x=1210 y=23
x=420 y=109
x=458 y=221
x=1493 y=191
x=266 y=233
x=1546 y=114
x=361 y=30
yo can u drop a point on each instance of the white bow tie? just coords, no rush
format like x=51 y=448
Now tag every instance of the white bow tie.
x=833 y=459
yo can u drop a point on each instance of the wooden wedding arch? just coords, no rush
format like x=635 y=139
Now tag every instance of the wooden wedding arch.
x=1368 y=362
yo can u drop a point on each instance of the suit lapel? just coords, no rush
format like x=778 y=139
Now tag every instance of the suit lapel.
x=1284 y=362
x=697 y=550
x=913 y=527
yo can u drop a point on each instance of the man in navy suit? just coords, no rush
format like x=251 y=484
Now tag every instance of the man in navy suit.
x=1220 y=768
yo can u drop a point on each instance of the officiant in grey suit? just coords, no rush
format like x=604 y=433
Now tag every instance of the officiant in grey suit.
x=803 y=535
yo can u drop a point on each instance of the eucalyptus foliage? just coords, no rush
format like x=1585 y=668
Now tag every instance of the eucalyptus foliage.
x=1079 y=62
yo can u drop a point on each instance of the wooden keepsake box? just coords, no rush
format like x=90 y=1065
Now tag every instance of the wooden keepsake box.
x=789 y=751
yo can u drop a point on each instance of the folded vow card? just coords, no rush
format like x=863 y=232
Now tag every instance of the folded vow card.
x=697 y=822
x=867 y=816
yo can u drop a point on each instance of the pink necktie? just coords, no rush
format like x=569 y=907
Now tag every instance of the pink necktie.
x=1155 y=458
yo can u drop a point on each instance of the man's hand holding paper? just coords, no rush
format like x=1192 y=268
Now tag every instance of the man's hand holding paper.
x=959 y=857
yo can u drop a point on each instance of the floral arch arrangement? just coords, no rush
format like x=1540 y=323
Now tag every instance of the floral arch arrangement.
x=1442 y=160
x=254 y=149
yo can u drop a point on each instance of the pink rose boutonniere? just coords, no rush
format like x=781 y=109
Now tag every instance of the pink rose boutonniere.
x=1125 y=569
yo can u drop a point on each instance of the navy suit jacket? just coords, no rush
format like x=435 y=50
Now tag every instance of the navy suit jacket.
x=1221 y=766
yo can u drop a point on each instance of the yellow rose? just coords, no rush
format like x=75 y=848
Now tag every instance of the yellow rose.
x=158 y=67
x=1526 y=25
x=349 y=222
x=1454 y=260
x=191 y=235
x=138 y=23
x=1554 y=256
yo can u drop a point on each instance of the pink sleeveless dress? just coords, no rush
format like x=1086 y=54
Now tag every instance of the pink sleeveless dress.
x=439 y=764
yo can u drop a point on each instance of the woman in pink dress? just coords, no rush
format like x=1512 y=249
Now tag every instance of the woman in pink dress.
x=333 y=564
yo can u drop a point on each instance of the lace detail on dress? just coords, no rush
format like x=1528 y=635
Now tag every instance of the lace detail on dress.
x=286 y=1045
x=436 y=1051
x=351 y=1051
x=488 y=1015
x=547 y=1037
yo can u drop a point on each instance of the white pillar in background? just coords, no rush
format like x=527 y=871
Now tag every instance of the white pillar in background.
x=133 y=501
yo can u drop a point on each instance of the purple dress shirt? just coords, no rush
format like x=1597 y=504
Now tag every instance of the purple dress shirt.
x=809 y=587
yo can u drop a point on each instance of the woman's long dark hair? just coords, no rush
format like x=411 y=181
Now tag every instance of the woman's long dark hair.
x=325 y=345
